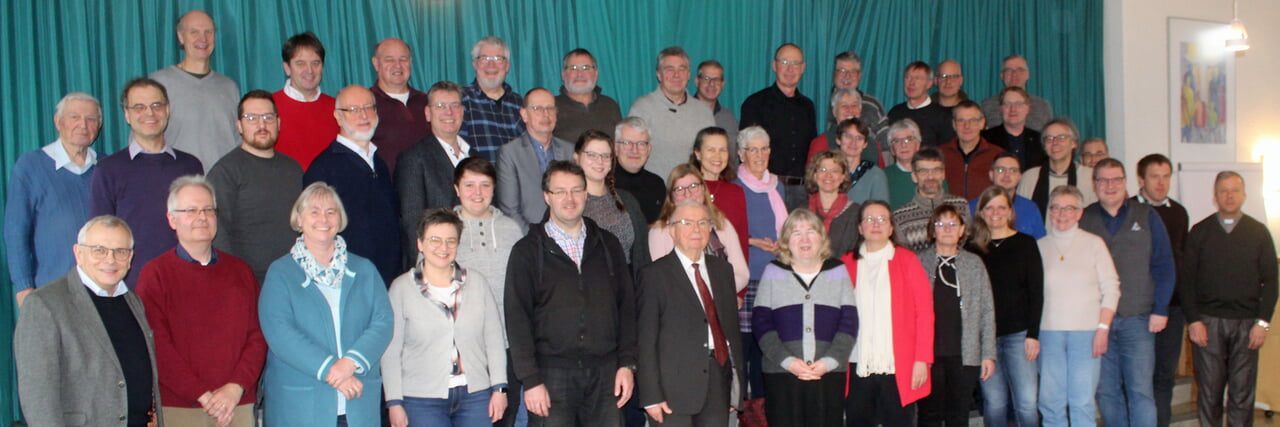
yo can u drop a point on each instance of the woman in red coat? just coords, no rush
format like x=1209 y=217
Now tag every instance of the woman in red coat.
x=889 y=367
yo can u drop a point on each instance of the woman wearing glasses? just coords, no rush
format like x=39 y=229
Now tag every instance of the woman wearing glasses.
x=326 y=318
x=964 y=338
x=889 y=366
x=612 y=209
x=867 y=181
x=711 y=157
x=827 y=180
x=1081 y=281
x=685 y=183
x=446 y=364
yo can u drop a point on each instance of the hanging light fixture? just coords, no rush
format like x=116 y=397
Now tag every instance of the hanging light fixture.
x=1237 y=37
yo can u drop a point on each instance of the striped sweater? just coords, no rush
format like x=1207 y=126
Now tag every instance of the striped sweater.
x=812 y=323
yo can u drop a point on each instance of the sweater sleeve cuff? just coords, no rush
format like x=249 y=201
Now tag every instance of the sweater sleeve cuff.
x=324 y=367
x=394 y=402
x=362 y=363
x=787 y=362
x=831 y=362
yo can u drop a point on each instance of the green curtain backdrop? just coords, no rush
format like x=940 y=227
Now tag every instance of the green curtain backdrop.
x=55 y=46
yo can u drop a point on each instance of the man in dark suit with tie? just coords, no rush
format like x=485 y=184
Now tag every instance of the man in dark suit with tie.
x=690 y=349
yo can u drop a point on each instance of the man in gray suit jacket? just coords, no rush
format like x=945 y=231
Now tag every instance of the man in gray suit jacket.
x=690 y=347
x=84 y=351
x=522 y=161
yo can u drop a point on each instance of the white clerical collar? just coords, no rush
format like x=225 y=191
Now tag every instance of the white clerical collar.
x=121 y=288
x=62 y=159
x=297 y=95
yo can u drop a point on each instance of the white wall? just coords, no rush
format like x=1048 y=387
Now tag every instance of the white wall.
x=1136 y=60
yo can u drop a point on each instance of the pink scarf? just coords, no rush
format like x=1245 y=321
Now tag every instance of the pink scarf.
x=768 y=185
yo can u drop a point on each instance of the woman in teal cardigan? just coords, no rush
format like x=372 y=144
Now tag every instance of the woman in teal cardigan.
x=327 y=320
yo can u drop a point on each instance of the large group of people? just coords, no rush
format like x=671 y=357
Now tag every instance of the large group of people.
x=472 y=255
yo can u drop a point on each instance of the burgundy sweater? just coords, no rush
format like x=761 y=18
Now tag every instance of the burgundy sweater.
x=205 y=319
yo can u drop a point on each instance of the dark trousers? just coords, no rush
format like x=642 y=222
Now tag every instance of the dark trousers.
x=513 y=397
x=952 y=394
x=755 y=377
x=1227 y=363
x=580 y=397
x=1168 y=355
x=791 y=402
x=874 y=400
x=715 y=409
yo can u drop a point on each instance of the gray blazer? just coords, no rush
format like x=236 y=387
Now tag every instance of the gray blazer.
x=519 y=192
x=977 y=314
x=68 y=374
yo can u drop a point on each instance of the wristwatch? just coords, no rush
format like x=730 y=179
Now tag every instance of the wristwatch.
x=1265 y=325
x=631 y=367
x=502 y=390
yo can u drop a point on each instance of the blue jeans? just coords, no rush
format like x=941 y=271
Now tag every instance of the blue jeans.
x=1015 y=381
x=459 y=409
x=1068 y=378
x=1128 y=369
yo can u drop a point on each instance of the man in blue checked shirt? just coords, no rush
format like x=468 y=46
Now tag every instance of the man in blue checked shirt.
x=492 y=107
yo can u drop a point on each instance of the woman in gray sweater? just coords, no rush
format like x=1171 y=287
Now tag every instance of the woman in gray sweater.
x=806 y=323
x=964 y=342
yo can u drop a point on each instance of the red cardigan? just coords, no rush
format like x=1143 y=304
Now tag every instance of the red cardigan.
x=912 y=318
x=205 y=320
x=730 y=199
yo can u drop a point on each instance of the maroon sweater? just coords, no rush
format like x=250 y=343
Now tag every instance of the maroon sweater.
x=205 y=319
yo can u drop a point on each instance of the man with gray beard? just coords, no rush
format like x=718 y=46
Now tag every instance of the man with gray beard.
x=580 y=105
x=492 y=107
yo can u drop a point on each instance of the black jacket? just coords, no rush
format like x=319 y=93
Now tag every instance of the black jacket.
x=561 y=316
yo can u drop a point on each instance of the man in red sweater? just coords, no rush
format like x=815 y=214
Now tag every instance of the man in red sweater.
x=203 y=306
x=307 y=125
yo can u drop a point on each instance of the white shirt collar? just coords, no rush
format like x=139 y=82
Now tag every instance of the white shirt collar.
x=367 y=156
x=296 y=95
x=1143 y=199
x=463 y=149
x=121 y=288
x=135 y=148
x=62 y=159
x=927 y=100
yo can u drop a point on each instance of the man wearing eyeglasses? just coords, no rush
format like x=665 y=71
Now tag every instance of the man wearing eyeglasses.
x=632 y=147
x=570 y=310
x=362 y=180
x=1012 y=134
x=308 y=125
x=401 y=122
x=1143 y=255
x=581 y=105
x=1006 y=173
x=492 y=107
x=256 y=186
x=847 y=75
x=911 y=221
x=789 y=117
x=673 y=120
x=83 y=349
x=933 y=120
x=49 y=196
x=424 y=179
x=949 y=80
x=710 y=83
x=203 y=113
x=968 y=157
x=1015 y=73
x=1060 y=168
x=523 y=160
x=133 y=183
x=202 y=304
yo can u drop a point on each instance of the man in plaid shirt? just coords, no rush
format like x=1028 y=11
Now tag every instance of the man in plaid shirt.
x=492 y=108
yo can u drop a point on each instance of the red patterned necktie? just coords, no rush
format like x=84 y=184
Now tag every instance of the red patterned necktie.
x=721 y=351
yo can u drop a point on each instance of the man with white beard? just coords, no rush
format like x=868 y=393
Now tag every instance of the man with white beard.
x=580 y=105
x=492 y=107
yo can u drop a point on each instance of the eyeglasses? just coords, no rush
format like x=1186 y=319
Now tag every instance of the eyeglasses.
x=99 y=253
x=711 y=79
x=598 y=157
x=829 y=170
x=853 y=137
x=355 y=111
x=491 y=59
x=1002 y=169
x=142 y=108
x=757 y=150
x=949 y=76
x=907 y=140
x=1057 y=138
x=948 y=225
x=191 y=212
x=585 y=67
x=630 y=144
x=1109 y=181
x=541 y=109
x=790 y=64
x=435 y=242
x=875 y=220
x=964 y=122
x=702 y=223
x=255 y=118
x=559 y=194
x=848 y=71
x=1013 y=70
x=931 y=171
x=687 y=188
x=445 y=106
x=1063 y=209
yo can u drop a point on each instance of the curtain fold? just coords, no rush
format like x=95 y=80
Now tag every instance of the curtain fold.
x=56 y=46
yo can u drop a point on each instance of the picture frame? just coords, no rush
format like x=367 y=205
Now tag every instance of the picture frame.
x=1202 y=92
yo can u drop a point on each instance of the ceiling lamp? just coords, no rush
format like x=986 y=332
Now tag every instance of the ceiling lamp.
x=1237 y=37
